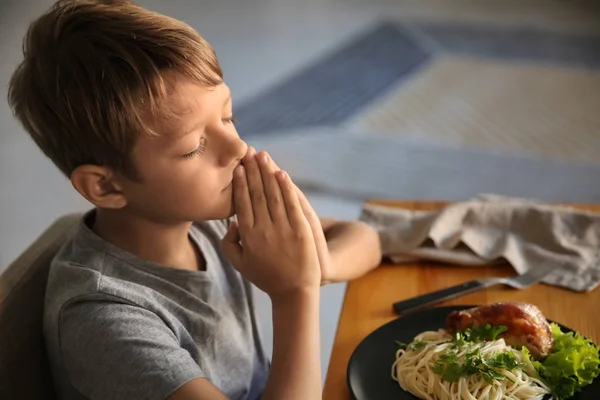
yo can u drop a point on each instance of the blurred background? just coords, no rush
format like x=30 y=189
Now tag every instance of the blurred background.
x=408 y=99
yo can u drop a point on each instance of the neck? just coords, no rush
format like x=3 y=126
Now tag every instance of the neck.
x=161 y=243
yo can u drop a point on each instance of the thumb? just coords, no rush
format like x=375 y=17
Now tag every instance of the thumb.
x=230 y=245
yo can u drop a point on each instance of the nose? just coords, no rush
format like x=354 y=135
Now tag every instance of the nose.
x=233 y=149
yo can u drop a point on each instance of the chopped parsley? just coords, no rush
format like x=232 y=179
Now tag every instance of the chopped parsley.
x=414 y=346
x=450 y=369
x=401 y=345
x=479 y=334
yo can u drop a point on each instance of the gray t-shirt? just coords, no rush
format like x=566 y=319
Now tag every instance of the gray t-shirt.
x=118 y=327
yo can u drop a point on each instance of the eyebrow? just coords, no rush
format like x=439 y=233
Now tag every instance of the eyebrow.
x=194 y=127
x=190 y=130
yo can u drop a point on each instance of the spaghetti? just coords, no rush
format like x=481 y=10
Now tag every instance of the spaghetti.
x=435 y=367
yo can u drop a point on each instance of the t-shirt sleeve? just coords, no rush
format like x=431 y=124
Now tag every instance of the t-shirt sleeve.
x=122 y=352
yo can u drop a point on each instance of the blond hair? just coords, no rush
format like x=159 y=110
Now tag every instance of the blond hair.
x=95 y=75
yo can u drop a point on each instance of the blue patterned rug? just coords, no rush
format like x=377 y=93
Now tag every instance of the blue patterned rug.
x=336 y=87
x=440 y=111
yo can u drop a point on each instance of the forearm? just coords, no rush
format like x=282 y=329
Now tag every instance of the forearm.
x=296 y=365
x=355 y=249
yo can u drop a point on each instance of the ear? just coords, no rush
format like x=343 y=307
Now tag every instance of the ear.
x=99 y=186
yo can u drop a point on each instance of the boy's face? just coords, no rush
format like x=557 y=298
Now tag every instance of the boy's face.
x=186 y=172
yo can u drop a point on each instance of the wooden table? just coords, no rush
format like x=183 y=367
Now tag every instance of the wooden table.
x=368 y=302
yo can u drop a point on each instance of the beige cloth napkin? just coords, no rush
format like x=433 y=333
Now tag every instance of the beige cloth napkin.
x=491 y=228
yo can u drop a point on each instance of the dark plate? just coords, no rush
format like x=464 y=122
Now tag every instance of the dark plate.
x=370 y=366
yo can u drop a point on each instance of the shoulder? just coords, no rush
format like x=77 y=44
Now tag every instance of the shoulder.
x=106 y=345
x=93 y=283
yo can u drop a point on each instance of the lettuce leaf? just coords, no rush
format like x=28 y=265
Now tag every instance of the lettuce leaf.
x=529 y=362
x=573 y=363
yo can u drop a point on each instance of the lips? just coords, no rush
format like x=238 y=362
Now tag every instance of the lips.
x=231 y=181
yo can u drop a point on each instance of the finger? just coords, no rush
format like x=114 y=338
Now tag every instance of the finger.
x=230 y=245
x=255 y=187
x=307 y=209
x=301 y=196
x=275 y=166
x=272 y=189
x=290 y=199
x=241 y=199
x=316 y=228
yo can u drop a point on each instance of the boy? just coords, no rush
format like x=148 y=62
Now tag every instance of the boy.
x=151 y=298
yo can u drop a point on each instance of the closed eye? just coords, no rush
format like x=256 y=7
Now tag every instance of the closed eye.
x=198 y=151
x=230 y=120
x=194 y=153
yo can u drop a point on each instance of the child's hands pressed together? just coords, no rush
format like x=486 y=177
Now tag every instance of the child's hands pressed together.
x=325 y=261
x=277 y=251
